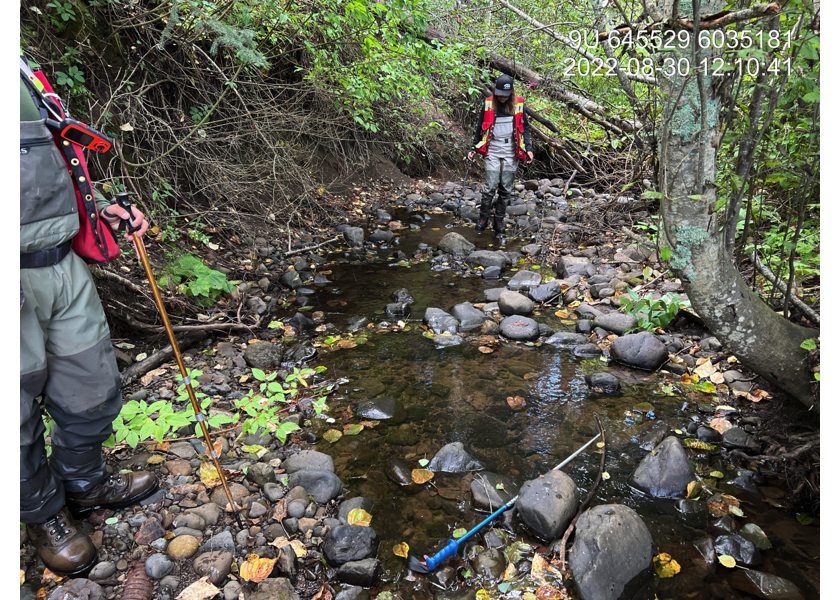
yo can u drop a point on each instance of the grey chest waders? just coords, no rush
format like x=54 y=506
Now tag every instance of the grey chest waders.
x=125 y=203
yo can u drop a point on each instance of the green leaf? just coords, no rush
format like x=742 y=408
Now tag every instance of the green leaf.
x=459 y=533
x=112 y=520
x=259 y=374
x=809 y=344
x=804 y=519
x=665 y=253
x=423 y=462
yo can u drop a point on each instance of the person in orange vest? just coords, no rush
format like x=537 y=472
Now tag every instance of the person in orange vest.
x=503 y=138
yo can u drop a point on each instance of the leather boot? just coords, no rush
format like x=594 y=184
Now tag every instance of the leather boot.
x=62 y=544
x=117 y=491
x=499 y=225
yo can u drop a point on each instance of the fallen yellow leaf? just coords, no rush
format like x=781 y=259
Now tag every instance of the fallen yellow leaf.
x=665 y=565
x=421 y=476
x=200 y=590
x=401 y=550
x=359 y=516
x=256 y=569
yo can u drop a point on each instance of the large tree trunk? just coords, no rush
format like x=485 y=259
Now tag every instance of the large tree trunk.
x=761 y=339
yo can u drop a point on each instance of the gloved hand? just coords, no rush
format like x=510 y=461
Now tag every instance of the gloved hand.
x=113 y=215
x=470 y=154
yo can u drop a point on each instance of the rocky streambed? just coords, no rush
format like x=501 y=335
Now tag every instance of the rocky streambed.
x=458 y=369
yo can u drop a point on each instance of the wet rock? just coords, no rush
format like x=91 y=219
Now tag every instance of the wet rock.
x=519 y=328
x=231 y=590
x=354 y=236
x=299 y=354
x=532 y=249
x=309 y=460
x=398 y=471
x=489 y=328
x=492 y=294
x=352 y=593
x=78 y=589
x=359 y=572
x=455 y=243
x=572 y=265
x=103 y=570
x=612 y=555
x=739 y=439
x=514 y=303
x=741 y=549
x=351 y=504
x=150 y=531
x=488 y=497
x=756 y=535
x=403 y=295
x=275 y=588
x=468 y=316
x=765 y=585
x=321 y=485
x=566 y=339
x=215 y=565
x=587 y=351
x=615 y=322
x=452 y=458
x=397 y=310
x=524 y=281
x=159 y=566
x=492 y=273
x=301 y=322
x=381 y=409
x=404 y=435
x=446 y=340
x=181 y=547
x=348 y=543
x=440 y=321
x=603 y=382
x=220 y=541
x=548 y=503
x=666 y=472
x=485 y=258
x=356 y=323
x=641 y=350
x=547 y=292
x=382 y=236
x=489 y=564
x=263 y=355
x=260 y=474
x=291 y=280
x=480 y=431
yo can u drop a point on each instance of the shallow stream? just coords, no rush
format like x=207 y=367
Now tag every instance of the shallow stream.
x=461 y=394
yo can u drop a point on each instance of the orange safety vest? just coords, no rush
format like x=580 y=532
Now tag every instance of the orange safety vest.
x=518 y=127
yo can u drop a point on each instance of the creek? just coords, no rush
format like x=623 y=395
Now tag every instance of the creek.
x=460 y=393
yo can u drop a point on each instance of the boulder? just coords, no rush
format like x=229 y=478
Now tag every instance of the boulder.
x=359 y=572
x=573 y=265
x=309 y=460
x=641 y=350
x=485 y=258
x=397 y=310
x=612 y=555
x=524 y=280
x=548 y=503
x=547 y=292
x=403 y=295
x=514 y=303
x=354 y=236
x=382 y=236
x=263 y=355
x=348 y=543
x=520 y=328
x=440 y=321
x=455 y=243
x=469 y=317
x=665 y=472
x=452 y=458
x=615 y=322
x=321 y=485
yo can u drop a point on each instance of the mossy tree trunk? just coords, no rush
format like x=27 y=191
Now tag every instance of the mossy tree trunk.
x=760 y=338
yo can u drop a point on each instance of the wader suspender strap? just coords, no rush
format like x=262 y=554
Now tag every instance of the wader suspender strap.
x=79 y=173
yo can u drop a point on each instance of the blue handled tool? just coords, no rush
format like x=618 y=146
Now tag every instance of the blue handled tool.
x=428 y=565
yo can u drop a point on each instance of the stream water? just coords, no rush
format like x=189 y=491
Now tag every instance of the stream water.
x=460 y=393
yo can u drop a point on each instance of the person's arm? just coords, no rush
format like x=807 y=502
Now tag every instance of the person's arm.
x=527 y=131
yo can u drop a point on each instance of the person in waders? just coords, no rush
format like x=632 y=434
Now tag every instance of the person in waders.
x=66 y=358
x=503 y=137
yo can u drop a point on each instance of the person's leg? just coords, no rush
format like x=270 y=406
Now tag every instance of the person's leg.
x=505 y=191
x=488 y=191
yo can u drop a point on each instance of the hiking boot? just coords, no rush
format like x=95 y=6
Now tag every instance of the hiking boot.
x=62 y=544
x=117 y=491
x=499 y=225
x=482 y=223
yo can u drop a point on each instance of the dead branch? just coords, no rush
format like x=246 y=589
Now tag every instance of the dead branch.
x=803 y=308
x=105 y=274
x=137 y=370
x=308 y=248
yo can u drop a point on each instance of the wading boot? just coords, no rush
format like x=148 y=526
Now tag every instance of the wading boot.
x=117 y=491
x=482 y=223
x=499 y=226
x=62 y=544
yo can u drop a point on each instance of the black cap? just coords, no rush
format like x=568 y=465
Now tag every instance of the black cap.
x=504 y=85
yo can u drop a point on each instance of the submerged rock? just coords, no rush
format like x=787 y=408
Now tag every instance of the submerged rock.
x=381 y=409
x=612 y=554
x=603 y=382
x=765 y=585
x=566 y=339
x=487 y=496
x=452 y=458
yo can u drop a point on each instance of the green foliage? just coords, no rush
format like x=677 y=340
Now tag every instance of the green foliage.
x=653 y=314
x=61 y=12
x=73 y=78
x=194 y=278
x=139 y=421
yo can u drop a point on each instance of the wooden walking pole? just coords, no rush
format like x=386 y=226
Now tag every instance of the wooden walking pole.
x=124 y=202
